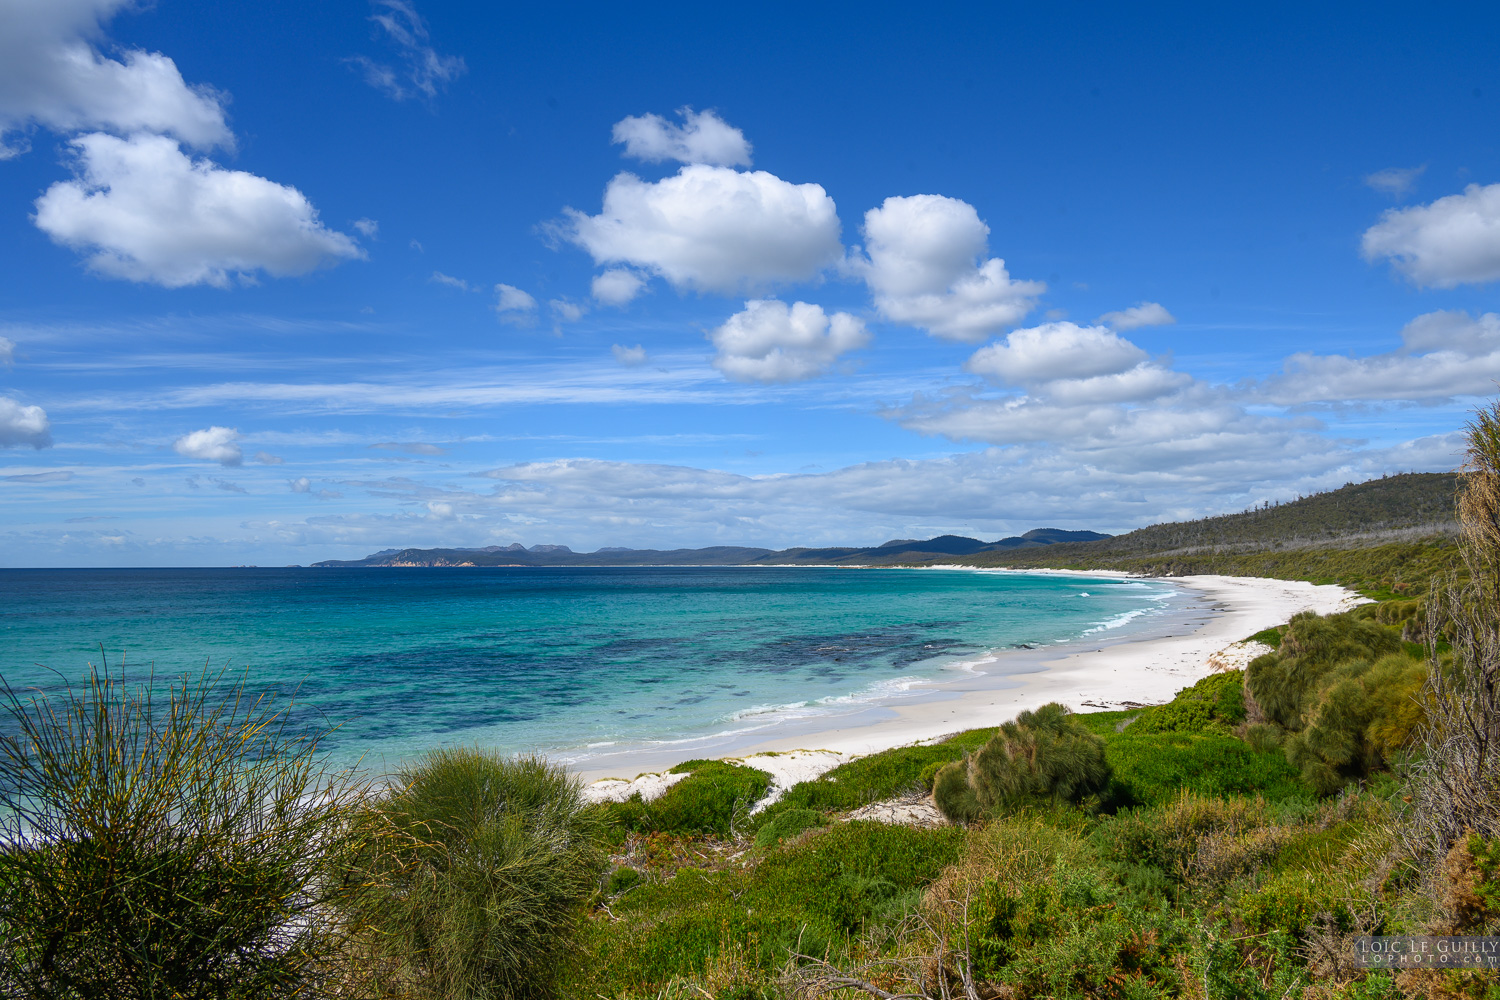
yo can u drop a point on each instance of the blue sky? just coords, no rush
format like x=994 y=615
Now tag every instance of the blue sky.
x=286 y=282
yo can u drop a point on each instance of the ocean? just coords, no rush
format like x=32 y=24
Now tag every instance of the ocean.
x=563 y=661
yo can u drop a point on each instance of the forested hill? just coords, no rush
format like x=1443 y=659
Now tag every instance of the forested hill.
x=1385 y=535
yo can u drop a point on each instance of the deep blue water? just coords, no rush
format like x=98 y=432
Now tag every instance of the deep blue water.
x=555 y=659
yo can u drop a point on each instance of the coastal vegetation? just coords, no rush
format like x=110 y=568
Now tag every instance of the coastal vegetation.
x=1232 y=843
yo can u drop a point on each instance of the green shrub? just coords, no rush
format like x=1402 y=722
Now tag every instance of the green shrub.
x=1285 y=682
x=179 y=844
x=788 y=824
x=1362 y=716
x=810 y=895
x=479 y=885
x=1152 y=768
x=1042 y=757
x=1045 y=917
x=1291 y=901
x=714 y=800
x=1216 y=704
x=878 y=776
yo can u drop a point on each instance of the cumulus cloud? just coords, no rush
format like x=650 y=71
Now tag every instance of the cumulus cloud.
x=629 y=356
x=711 y=229
x=423 y=70
x=1145 y=314
x=1055 y=351
x=768 y=341
x=368 y=228
x=1453 y=241
x=566 y=311
x=703 y=137
x=142 y=210
x=266 y=458
x=925 y=264
x=213 y=444
x=227 y=486
x=513 y=305
x=23 y=425
x=51 y=74
x=1395 y=181
x=1443 y=354
x=300 y=485
x=617 y=286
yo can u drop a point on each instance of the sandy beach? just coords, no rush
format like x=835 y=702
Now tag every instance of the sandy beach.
x=1143 y=668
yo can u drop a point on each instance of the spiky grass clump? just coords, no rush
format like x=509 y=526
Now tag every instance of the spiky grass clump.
x=1042 y=757
x=182 y=843
x=481 y=874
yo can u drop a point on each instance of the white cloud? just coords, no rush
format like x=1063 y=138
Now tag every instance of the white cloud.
x=1453 y=241
x=368 y=228
x=143 y=211
x=566 y=311
x=617 y=286
x=23 y=425
x=39 y=477
x=424 y=71
x=1443 y=354
x=629 y=356
x=266 y=458
x=513 y=305
x=52 y=75
x=411 y=447
x=1145 y=314
x=769 y=342
x=213 y=444
x=703 y=137
x=7 y=351
x=926 y=267
x=301 y=485
x=1055 y=351
x=1395 y=181
x=712 y=229
x=439 y=278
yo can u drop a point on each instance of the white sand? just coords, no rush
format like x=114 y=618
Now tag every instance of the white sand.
x=1128 y=673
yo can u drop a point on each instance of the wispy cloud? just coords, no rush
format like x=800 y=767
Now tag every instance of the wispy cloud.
x=422 y=69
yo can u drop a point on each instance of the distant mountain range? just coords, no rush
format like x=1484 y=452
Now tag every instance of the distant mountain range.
x=1357 y=515
x=899 y=551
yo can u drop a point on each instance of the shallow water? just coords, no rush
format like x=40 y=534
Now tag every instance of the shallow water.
x=558 y=660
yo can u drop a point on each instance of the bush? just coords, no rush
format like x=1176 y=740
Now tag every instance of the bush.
x=1043 y=757
x=184 y=845
x=1363 y=716
x=713 y=800
x=1152 y=768
x=480 y=880
x=1285 y=683
x=788 y=824
x=1216 y=704
x=878 y=776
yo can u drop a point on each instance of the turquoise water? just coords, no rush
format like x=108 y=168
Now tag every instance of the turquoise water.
x=558 y=660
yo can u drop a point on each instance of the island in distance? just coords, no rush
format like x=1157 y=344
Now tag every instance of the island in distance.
x=901 y=550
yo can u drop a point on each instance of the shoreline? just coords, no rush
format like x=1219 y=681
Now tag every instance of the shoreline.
x=1142 y=668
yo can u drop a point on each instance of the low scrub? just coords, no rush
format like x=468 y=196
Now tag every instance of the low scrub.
x=1216 y=704
x=714 y=800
